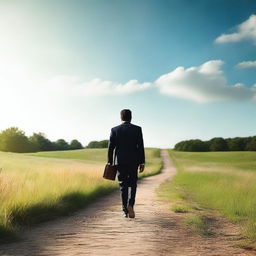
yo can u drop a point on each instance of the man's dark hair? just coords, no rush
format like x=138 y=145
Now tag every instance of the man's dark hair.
x=126 y=115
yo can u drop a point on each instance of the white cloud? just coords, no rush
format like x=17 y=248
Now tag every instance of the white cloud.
x=95 y=87
x=245 y=31
x=246 y=64
x=205 y=83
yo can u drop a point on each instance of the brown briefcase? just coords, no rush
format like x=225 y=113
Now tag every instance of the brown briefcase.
x=110 y=172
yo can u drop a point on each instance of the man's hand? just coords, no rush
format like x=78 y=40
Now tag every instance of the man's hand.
x=142 y=167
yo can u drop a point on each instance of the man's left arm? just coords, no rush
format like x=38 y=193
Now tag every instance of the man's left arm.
x=141 y=151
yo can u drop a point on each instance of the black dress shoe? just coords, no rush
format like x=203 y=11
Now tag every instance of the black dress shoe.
x=125 y=214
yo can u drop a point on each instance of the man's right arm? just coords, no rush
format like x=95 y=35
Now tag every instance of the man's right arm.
x=111 y=146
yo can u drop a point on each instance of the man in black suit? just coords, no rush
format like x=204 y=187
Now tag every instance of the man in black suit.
x=127 y=141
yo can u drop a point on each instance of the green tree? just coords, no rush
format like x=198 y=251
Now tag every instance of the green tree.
x=41 y=142
x=236 y=144
x=192 y=146
x=61 y=144
x=75 y=144
x=251 y=144
x=98 y=144
x=14 y=140
x=218 y=144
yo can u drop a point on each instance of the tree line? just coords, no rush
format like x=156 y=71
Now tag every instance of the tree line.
x=218 y=144
x=98 y=144
x=14 y=140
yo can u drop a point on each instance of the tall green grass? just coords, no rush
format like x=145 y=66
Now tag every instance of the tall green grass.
x=39 y=186
x=220 y=180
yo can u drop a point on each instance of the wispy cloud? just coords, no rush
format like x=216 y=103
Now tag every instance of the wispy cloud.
x=246 y=64
x=245 y=31
x=75 y=85
x=204 y=83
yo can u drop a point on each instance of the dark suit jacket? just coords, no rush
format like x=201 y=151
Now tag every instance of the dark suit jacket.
x=127 y=141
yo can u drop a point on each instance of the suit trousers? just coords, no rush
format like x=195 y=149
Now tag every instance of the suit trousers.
x=127 y=175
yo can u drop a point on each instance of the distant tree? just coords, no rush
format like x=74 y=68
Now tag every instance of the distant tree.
x=179 y=146
x=251 y=144
x=218 y=144
x=41 y=142
x=192 y=145
x=61 y=144
x=98 y=144
x=237 y=144
x=75 y=144
x=14 y=140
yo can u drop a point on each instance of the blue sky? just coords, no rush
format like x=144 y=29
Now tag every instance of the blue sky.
x=67 y=68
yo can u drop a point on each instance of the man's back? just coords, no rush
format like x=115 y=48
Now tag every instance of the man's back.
x=127 y=140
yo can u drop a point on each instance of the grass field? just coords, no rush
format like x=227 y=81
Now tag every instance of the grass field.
x=225 y=181
x=39 y=186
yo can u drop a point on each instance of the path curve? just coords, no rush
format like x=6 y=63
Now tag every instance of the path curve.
x=100 y=229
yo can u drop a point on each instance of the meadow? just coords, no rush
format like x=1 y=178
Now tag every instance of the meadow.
x=223 y=181
x=35 y=187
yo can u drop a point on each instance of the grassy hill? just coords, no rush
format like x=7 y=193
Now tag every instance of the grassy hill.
x=39 y=186
x=224 y=181
x=97 y=155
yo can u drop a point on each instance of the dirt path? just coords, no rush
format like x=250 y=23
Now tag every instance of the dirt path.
x=100 y=229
